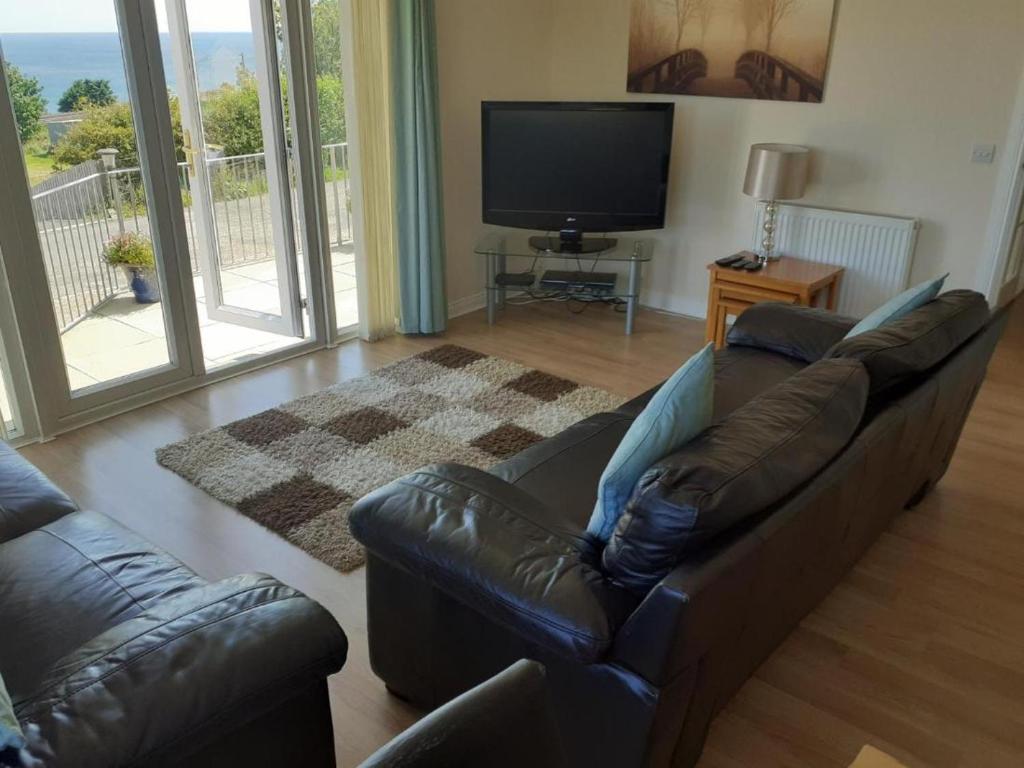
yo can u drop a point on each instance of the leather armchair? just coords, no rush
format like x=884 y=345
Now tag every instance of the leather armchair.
x=122 y=656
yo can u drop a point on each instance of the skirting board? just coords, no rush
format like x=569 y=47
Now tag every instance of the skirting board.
x=466 y=304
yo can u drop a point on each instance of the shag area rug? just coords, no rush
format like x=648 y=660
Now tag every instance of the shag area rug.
x=297 y=469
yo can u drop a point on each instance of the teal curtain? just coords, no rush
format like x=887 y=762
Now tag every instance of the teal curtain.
x=419 y=216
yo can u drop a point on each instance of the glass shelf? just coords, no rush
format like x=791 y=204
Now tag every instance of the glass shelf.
x=513 y=243
x=499 y=245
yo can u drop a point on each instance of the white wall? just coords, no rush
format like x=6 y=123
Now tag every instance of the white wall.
x=911 y=86
x=487 y=50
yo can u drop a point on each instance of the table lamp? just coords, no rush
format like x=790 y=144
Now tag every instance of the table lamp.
x=775 y=172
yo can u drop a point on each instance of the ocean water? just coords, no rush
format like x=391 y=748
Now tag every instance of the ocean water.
x=59 y=59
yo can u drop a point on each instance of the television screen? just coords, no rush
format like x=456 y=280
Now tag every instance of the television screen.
x=597 y=167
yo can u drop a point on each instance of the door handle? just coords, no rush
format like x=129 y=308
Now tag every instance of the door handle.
x=190 y=152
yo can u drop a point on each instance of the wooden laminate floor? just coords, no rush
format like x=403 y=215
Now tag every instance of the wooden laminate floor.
x=920 y=651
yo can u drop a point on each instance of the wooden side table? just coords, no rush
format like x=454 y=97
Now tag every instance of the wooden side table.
x=789 y=280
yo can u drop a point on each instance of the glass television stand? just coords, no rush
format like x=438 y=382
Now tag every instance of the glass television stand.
x=578 y=279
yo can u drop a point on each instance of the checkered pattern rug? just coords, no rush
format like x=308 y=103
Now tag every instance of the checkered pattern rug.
x=297 y=469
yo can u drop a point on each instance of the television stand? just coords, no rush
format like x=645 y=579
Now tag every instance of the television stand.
x=573 y=247
x=577 y=278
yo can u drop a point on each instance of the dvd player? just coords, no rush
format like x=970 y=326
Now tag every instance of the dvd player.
x=566 y=280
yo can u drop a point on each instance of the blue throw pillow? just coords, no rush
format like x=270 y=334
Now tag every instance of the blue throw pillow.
x=11 y=737
x=677 y=413
x=899 y=306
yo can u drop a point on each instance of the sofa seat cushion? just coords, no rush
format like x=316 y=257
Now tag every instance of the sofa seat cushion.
x=735 y=470
x=65 y=583
x=563 y=471
x=902 y=350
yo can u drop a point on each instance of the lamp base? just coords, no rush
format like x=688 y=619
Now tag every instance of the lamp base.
x=771 y=209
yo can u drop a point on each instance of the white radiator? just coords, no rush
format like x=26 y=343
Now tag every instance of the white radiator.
x=877 y=251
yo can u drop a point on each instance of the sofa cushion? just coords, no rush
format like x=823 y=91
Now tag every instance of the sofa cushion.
x=66 y=582
x=916 y=343
x=679 y=411
x=736 y=469
x=804 y=333
x=899 y=306
x=741 y=374
x=563 y=471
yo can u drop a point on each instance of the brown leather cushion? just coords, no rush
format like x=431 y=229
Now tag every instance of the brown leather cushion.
x=904 y=349
x=804 y=333
x=736 y=469
x=741 y=374
x=67 y=582
x=564 y=470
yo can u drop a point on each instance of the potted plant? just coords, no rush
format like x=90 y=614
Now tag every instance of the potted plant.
x=134 y=254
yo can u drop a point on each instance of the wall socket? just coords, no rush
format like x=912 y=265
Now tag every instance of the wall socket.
x=983 y=153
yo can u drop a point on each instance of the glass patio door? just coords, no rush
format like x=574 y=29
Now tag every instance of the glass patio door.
x=162 y=214
x=91 y=236
x=241 y=185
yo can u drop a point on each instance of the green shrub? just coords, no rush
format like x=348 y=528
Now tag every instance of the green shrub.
x=28 y=101
x=231 y=113
x=100 y=128
x=330 y=95
x=110 y=126
x=86 y=93
x=129 y=250
x=231 y=117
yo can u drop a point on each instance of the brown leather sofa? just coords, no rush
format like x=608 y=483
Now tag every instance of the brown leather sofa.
x=115 y=654
x=817 y=444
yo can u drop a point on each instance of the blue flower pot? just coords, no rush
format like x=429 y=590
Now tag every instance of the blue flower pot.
x=143 y=285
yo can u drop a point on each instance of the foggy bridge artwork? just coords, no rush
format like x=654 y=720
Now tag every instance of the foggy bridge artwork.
x=745 y=49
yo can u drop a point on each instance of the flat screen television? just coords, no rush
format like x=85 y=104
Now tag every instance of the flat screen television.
x=576 y=167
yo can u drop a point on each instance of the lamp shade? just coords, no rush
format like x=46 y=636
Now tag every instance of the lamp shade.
x=777 y=171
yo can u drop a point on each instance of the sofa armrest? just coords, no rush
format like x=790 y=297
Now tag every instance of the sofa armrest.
x=498 y=550
x=28 y=500
x=804 y=333
x=180 y=675
x=505 y=722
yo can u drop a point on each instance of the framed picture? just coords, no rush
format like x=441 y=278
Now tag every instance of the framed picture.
x=741 y=49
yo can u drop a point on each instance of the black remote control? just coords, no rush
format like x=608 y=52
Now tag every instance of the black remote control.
x=741 y=264
x=753 y=266
x=728 y=261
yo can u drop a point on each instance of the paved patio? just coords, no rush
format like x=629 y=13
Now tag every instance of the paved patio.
x=120 y=337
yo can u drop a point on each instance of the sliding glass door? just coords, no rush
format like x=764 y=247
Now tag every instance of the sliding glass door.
x=170 y=211
x=90 y=221
x=176 y=199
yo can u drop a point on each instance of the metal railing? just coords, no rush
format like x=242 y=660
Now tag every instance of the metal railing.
x=75 y=219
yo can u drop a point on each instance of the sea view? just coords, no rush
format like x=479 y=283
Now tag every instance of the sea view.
x=58 y=59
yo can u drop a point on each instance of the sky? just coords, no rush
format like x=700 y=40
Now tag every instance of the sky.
x=99 y=16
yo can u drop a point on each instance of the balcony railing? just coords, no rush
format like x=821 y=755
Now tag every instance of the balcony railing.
x=79 y=211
